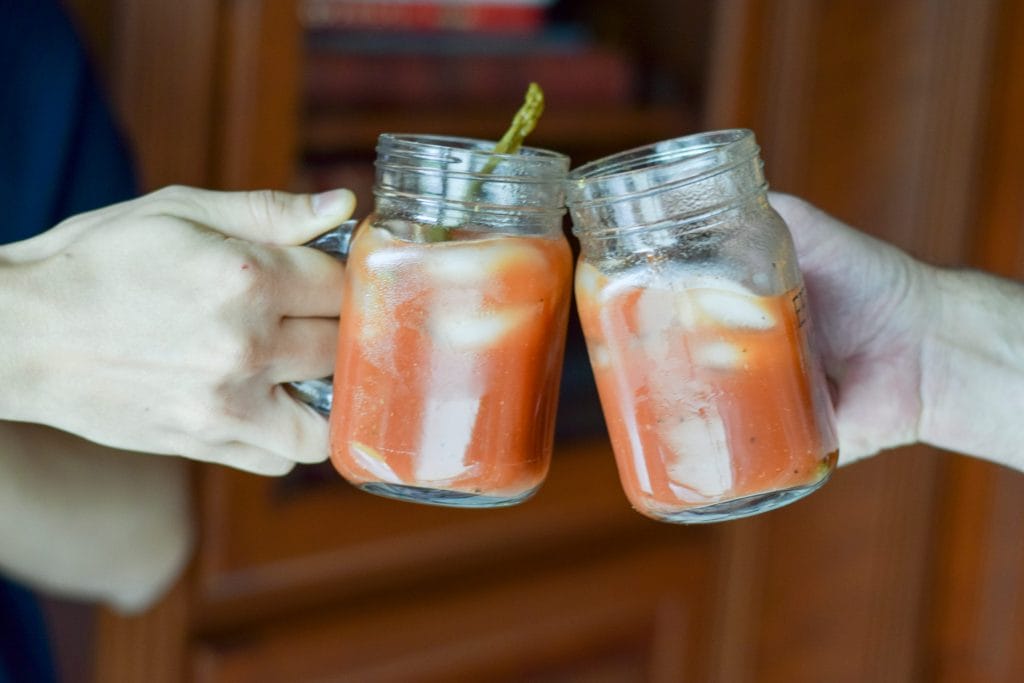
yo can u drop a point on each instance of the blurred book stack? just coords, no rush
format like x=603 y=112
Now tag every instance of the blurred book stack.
x=416 y=15
x=457 y=67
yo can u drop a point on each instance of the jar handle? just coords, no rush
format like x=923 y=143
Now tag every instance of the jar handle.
x=318 y=394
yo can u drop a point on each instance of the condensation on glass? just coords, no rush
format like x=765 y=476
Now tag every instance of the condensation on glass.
x=697 y=328
x=453 y=324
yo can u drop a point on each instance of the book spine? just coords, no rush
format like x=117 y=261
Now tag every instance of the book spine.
x=358 y=15
x=593 y=77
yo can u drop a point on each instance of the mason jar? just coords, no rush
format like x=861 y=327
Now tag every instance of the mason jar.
x=453 y=324
x=698 y=331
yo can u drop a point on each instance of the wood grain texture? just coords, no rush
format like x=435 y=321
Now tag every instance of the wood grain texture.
x=263 y=554
x=162 y=78
x=257 y=104
x=151 y=647
x=999 y=198
x=875 y=111
x=978 y=609
x=635 y=617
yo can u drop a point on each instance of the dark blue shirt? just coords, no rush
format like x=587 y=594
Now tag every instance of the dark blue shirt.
x=60 y=154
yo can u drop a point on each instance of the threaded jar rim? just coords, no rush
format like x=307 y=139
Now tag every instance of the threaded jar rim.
x=449 y=179
x=464 y=156
x=679 y=161
x=685 y=183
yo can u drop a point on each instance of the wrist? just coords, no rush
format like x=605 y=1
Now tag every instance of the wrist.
x=22 y=365
x=972 y=382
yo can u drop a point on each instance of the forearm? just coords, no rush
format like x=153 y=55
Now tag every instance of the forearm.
x=90 y=522
x=973 y=368
x=21 y=309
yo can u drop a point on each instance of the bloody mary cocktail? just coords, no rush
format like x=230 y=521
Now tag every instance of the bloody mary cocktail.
x=449 y=361
x=710 y=392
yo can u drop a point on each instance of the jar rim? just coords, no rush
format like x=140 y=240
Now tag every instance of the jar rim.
x=440 y=147
x=687 y=158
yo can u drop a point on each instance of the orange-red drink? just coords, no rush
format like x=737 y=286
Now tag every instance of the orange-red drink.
x=693 y=311
x=453 y=324
x=706 y=389
x=449 y=361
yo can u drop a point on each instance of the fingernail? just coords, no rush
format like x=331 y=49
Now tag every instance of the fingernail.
x=333 y=202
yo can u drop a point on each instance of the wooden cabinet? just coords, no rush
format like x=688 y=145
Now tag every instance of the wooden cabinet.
x=540 y=623
x=901 y=118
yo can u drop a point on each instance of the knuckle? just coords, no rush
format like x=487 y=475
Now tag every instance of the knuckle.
x=250 y=357
x=253 y=460
x=170 y=200
x=73 y=222
x=209 y=424
x=242 y=277
x=268 y=205
x=176 y=194
x=279 y=468
x=171 y=192
x=239 y=353
x=239 y=344
x=307 y=431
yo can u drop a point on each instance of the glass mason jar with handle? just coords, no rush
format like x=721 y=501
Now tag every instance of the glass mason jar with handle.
x=696 y=324
x=453 y=325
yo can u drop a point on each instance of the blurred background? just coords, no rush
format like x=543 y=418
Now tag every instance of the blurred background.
x=904 y=118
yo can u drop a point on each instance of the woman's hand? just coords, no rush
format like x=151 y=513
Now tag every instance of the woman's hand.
x=167 y=325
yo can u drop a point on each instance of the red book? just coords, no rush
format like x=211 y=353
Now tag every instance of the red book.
x=424 y=15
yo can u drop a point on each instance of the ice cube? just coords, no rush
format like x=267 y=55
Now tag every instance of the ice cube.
x=655 y=311
x=733 y=309
x=599 y=356
x=447 y=428
x=589 y=281
x=663 y=319
x=685 y=311
x=462 y=330
x=475 y=263
x=665 y=308
x=719 y=355
x=654 y=320
x=762 y=281
x=620 y=284
x=372 y=461
x=702 y=464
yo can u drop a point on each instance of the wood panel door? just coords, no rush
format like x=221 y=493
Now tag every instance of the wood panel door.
x=904 y=119
x=546 y=625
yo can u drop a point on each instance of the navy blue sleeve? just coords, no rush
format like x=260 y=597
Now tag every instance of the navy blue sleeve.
x=60 y=151
x=60 y=154
x=24 y=650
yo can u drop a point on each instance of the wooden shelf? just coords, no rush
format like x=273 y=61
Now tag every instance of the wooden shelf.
x=596 y=131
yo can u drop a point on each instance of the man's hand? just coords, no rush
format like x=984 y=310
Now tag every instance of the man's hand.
x=915 y=352
x=167 y=325
x=870 y=305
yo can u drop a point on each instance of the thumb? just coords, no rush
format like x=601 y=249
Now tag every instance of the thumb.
x=268 y=216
